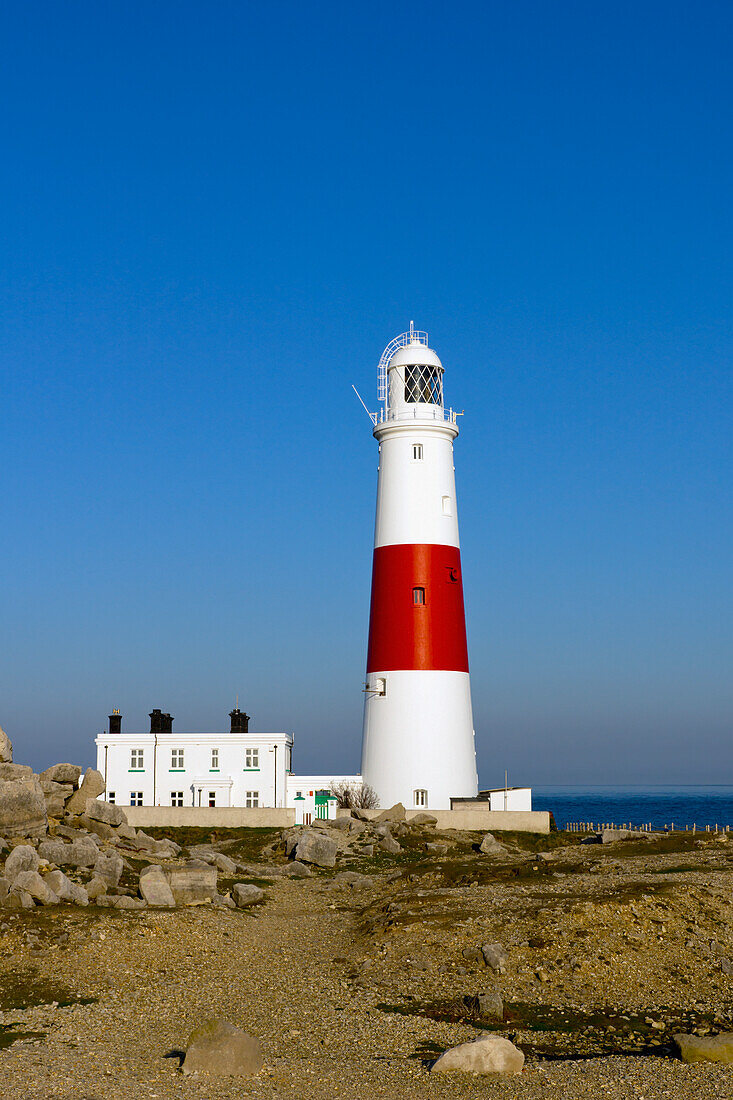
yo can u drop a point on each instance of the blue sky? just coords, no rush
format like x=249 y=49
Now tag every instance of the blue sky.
x=215 y=216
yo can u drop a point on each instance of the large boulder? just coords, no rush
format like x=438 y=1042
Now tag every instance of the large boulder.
x=23 y=857
x=490 y=846
x=109 y=867
x=56 y=796
x=65 y=889
x=15 y=771
x=246 y=894
x=487 y=1053
x=155 y=888
x=62 y=773
x=22 y=808
x=37 y=887
x=192 y=883
x=423 y=819
x=6 y=747
x=394 y=813
x=706 y=1048
x=314 y=847
x=80 y=853
x=389 y=844
x=105 y=812
x=92 y=785
x=222 y=1050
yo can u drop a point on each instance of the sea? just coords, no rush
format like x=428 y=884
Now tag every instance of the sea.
x=664 y=807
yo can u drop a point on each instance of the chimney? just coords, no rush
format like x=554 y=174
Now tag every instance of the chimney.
x=160 y=723
x=115 y=722
x=240 y=721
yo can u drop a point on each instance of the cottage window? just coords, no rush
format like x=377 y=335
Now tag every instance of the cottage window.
x=176 y=798
x=136 y=759
x=111 y=797
x=252 y=800
x=215 y=760
x=136 y=798
x=212 y=798
x=251 y=758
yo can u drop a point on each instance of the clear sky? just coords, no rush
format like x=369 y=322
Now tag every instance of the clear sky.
x=214 y=216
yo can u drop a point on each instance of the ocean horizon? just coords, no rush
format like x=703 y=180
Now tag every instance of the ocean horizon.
x=664 y=806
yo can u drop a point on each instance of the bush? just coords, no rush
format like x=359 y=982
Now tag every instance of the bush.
x=355 y=796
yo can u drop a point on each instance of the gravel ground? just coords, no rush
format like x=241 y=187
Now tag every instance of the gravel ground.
x=354 y=992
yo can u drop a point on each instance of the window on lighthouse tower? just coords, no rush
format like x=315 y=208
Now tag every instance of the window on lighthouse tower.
x=418 y=596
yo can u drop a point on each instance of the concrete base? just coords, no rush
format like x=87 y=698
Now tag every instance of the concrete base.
x=204 y=817
x=518 y=821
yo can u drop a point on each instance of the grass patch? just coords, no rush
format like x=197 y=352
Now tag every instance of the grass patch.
x=25 y=989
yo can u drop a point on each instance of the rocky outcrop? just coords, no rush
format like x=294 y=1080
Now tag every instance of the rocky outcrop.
x=313 y=847
x=155 y=888
x=6 y=747
x=192 y=883
x=62 y=773
x=706 y=1048
x=218 y=1048
x=487 y=1053
x=105 y=812
x=92 y=785
x=22 y=808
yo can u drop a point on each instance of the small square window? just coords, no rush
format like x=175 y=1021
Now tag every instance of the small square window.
x=418 y=596
x=176 y=758
x=136 y=798
x=111 y=797
x=136 y=758
x=212 y=798
x=176 y=798
x=417 y=452
x=252 y=800
x=420 y=797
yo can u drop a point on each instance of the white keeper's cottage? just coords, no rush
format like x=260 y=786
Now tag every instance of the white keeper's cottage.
x=238 y=768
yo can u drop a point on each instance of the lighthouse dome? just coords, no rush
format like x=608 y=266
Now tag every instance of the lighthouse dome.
x=417 y=353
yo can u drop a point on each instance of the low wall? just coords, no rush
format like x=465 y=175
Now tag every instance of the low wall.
x=519 y=821
x=205 y=817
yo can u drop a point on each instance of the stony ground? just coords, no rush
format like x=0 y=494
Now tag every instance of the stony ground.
x=354 y=991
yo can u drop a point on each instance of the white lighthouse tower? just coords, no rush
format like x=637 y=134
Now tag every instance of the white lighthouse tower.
x=418 y=741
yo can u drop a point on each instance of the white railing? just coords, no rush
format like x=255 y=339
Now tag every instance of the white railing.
x=402 y=341
x=415 y=412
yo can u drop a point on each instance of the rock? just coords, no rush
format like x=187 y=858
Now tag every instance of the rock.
x=224 y=864
x=80 y=853
x=389 y=844
x=62 y=773
x=55 y=796
x=610 y=836
x=708 y=1048
x=495 y=956
x=33 y=884
x=109 y=867
x=22 y=858
x=96 y=889
x=65 y=889
x=473 y=954
x=192 y=883
x=92 y=785
x=123 y=901
x=99 y=828
x=22 y=808
x=726 y=966
x=19 y=899
x=394 y=813
x=223 y=901
x=436 y=848
x=491 y=1005
x=245 y=894
x=6 y=747
x=105 y=812
x=296 y=869
x=491 y=846
x=367 y=850
x=15 y=771
x=313 y=847
x=423 y=819
x=487 y=1053
x=222 y=1050
x=155 y=888
x=353 y=879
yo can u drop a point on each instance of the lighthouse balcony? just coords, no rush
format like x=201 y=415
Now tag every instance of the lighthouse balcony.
x=415 y=412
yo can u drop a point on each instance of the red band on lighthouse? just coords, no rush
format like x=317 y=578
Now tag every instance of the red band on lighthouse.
x=417 y=619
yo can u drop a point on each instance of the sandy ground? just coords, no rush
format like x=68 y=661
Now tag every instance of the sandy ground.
x=354 y=992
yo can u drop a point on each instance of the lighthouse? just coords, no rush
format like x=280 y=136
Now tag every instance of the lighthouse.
x=418 y=739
